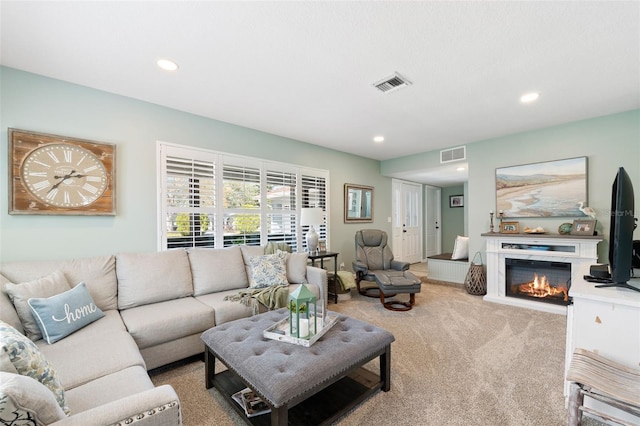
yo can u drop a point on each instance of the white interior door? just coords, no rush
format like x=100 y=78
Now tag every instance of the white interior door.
x=433 y=231
x=407 y=221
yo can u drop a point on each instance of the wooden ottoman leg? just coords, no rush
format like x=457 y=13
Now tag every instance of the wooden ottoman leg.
x=385 y=369
x=209 y=368
x=576 y=399
x=280 y=416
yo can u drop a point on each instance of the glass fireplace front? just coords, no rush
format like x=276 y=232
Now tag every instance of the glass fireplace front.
x=538 y=280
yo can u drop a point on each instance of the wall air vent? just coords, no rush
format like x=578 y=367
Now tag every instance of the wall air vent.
x=391 y=83
x=453 y=154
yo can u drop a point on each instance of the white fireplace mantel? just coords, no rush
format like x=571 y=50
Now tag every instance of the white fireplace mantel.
x=579 y=251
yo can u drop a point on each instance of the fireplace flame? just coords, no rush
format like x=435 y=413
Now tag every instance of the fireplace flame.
x=541 y=288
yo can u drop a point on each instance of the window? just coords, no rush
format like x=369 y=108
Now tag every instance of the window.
x=212 y=199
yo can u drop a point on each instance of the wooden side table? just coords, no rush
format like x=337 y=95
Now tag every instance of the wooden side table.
x=322 y=255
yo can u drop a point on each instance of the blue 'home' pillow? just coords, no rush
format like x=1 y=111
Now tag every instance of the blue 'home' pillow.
x=60 y=315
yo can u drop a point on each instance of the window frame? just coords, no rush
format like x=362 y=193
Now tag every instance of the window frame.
x=268 y=172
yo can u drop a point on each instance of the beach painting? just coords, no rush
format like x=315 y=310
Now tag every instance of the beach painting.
x=548 y=189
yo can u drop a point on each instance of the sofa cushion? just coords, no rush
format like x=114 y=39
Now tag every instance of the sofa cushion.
x=267 y=270
x=99 y=349
x=296 y=264
x=217 y=269
x=29 y=361
x=8 y=312
x=165 y=321
x=98 y=273
x=25 y=398
x=152 y=277
x=60 y=315
x=225 y=310
x=19 y=294
x=112 y=387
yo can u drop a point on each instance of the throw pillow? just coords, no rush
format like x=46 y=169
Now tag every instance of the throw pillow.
x=267 y=270
x=25 y=401
x=60 y=315
x=19 y=294
x=460 y=248
x=29 y=361
x=296 y=264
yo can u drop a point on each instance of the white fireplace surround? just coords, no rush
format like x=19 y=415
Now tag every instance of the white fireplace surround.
x=580 y=251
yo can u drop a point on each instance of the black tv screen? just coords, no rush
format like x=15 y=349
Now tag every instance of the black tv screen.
x=621 y=229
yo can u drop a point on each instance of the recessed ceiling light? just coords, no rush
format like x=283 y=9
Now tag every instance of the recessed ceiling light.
x=167 y=65
x=378 y=139
x=529 y=97
x=460 y=169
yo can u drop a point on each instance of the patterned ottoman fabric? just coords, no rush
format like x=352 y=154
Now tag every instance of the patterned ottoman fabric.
x=281 y=371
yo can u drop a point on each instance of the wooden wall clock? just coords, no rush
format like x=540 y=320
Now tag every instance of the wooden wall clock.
x=57 y=175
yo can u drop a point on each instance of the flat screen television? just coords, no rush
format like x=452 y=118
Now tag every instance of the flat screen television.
x=623 y=223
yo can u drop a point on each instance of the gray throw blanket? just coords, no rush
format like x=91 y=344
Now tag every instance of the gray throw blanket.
x=272 y=297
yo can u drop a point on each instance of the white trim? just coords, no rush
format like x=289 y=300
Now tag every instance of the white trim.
x=220 y=159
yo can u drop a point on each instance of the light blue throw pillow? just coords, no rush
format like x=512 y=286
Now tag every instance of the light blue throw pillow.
x=60 y=315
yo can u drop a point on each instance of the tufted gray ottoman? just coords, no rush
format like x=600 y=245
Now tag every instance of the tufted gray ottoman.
x=314 y=385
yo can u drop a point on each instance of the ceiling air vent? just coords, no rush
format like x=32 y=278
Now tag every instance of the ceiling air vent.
x=453 y=154
x=391 y=83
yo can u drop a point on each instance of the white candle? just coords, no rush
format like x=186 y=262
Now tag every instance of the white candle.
x=304 y=327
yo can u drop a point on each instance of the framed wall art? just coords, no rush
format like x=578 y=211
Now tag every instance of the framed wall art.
x=552 y=188
x=358 y=203
x=456 y=200
x=57 y=175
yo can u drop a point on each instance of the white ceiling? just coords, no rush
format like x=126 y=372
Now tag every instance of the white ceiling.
x=305 y=70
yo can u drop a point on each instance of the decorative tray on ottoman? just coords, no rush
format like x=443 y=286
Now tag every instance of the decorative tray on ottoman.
x=280 y=331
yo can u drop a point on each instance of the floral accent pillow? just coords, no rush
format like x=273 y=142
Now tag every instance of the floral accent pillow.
x=25 y=401
x=29 y=361
x=267 y=270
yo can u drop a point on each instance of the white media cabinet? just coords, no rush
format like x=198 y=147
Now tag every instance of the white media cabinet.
x=605 y=321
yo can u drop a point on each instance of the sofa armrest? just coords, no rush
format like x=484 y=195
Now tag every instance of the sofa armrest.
x=400 y=266
x=318 y=276
x=155 y=407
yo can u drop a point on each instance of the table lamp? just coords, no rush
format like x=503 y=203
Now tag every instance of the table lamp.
x=310 y=217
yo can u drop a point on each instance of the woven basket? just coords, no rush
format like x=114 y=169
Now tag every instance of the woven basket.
x=476 y=280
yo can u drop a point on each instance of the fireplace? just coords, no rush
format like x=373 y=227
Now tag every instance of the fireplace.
x=538 y=280
x=572 y=253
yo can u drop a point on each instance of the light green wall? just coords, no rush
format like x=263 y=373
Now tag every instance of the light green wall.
x=609 y=142
x=40 y=104
x=452 y=218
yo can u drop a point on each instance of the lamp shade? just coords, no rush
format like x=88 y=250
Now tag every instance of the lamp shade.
x=311 y=216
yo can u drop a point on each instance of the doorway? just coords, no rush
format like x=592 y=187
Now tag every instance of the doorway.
x=406 y=237
x=433 y=221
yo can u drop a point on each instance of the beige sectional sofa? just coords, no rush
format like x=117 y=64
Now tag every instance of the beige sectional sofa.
x=155 y=305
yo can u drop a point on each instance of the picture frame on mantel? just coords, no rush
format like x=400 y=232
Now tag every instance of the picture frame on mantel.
x=509 y=227
x=583 y=227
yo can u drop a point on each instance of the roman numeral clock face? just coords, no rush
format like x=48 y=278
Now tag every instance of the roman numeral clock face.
x=64 y=175
x=58 y=175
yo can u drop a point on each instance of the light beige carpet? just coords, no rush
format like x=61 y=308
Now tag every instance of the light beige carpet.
x=457 y=360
